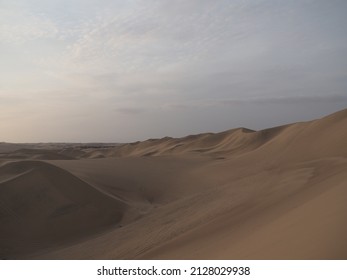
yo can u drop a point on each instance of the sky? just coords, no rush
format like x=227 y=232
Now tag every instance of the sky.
x=122 y=71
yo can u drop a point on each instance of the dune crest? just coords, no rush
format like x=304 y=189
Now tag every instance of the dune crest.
x=239 y=141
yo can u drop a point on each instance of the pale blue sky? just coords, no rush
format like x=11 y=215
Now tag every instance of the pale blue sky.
x=102 y=70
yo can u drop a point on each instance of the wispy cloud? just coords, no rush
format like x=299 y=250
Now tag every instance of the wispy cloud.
x=19 y=27
x=154 y=58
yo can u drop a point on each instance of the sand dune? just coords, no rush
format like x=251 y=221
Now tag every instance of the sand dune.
x=42 y=205
x=277 y=193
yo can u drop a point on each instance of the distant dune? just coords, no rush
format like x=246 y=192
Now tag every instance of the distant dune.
x=278 y=193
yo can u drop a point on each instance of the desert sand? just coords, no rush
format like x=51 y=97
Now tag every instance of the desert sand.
x=278 y=193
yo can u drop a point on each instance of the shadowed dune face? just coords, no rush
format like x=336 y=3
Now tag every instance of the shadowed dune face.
x=278 y=193
x=41 y=205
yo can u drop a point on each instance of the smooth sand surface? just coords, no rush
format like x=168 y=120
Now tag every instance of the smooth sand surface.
x=278 y=193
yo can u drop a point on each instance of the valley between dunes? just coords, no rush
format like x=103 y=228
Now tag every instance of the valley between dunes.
x=278 y=193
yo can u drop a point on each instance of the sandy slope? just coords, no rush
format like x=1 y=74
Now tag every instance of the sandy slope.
x=278 y=193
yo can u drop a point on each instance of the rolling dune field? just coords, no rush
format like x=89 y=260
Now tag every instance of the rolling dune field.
x=278 y=193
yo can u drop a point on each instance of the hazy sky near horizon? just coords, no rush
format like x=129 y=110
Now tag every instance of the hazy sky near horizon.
x=118 y=71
